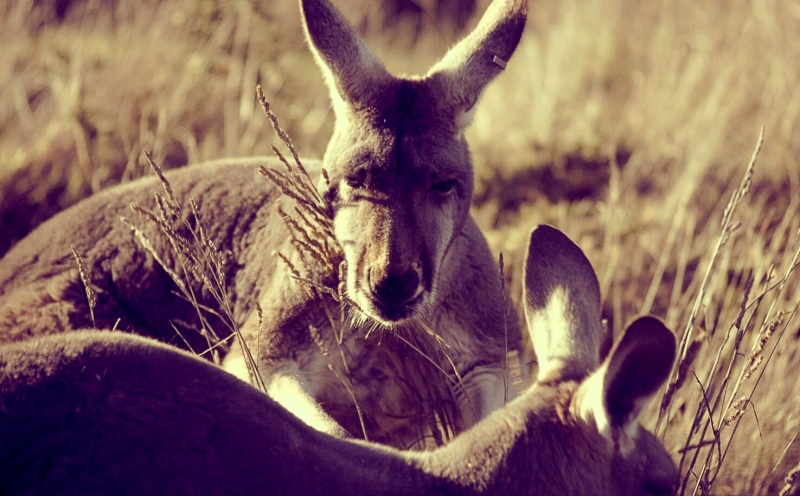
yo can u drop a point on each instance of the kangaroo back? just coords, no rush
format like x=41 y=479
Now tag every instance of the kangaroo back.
x=41 y=291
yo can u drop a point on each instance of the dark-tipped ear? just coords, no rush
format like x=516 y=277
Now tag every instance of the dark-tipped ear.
x=562 y=306
x=472 y=63
x=351 y=69
x=637 y=367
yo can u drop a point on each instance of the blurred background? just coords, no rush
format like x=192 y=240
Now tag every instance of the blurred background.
x=626 y=123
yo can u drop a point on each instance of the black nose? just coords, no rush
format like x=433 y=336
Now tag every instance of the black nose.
x=396 y=288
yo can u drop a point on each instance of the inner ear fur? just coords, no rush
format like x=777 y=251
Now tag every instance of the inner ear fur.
x=562 y=306
x=476 y=60
x=353 y=73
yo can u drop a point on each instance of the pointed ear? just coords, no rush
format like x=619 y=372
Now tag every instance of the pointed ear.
x=351 y=69
x=636 y=368
x=471 y=64
x=615 y=394
x=562 y=306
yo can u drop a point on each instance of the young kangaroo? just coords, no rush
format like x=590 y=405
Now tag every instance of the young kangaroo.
x=399 y=189
x=110 y=413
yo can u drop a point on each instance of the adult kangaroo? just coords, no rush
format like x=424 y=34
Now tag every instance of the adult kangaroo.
x=398 y=188
x=110 y=413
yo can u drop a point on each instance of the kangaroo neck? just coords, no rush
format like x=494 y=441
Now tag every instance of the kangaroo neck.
x=518 y=451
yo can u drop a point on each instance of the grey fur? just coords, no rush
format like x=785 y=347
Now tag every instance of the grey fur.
x=406 y=240
x=111 y=413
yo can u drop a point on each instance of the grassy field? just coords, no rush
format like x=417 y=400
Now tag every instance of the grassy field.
x=627 y=124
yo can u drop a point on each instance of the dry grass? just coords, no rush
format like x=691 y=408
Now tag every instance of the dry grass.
x=626 y=124
x=198 y=261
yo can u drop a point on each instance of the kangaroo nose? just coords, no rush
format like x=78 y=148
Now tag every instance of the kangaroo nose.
x=396 y=288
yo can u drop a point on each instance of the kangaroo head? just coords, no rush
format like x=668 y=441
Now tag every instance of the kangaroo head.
x=399 y=169
x=562 y=310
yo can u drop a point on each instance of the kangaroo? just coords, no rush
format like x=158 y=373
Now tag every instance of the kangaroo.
x=113 y=413
x=399 y=184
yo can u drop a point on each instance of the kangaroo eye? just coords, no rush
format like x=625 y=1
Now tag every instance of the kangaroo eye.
x=444 y=187
x=356 y=179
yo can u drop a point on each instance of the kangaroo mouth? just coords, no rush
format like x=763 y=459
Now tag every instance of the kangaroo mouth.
x=395 y=313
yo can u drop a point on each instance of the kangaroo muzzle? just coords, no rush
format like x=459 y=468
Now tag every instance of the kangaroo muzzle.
x=394 y=291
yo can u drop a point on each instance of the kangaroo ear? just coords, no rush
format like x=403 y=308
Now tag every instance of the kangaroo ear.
x=351 y=69
x=471 y=64
x=636 y=368
x=615 y=394
x=562 y=306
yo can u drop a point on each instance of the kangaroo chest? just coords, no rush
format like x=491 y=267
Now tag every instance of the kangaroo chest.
x=394 y=387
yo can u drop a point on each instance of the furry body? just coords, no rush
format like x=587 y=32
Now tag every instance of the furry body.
x=112 y=413
x=41 y=293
